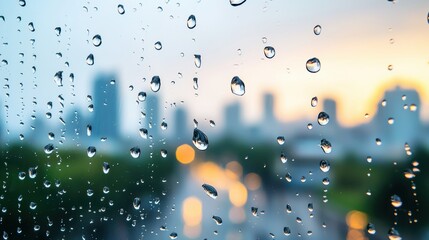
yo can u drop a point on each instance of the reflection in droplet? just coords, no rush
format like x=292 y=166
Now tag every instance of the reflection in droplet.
x=135 y=152
x=121 y=9
x=217 y=219
x=106 y=168
x=192 y=22
x=280 y=140
x=325 y=165
x=286 y=231
x=96 y=40
x=163 y=125
x=155 y=83
x=317 y=29
x=254 y=211
x=200 y=139
x=32 y=172
x=313 y=65
x=323 y=118
x=396 y=201
x=236 y=3
x=58 y=78
x=173 y=235
x=143 y=133
x=91 y=151
x=370 y=228
x=197 y=60
x=57 y=31
x=394 y=234
x=33 y=205
x=31 y=27
x=21 y=175
x=326 y=146
x=210 y=191
x=49 y=148
x=141 y=96
x=136 y=203
x=158 y=45
x=390 y=121
x=314 y=101
x=90 y=59
x=237 y=86
x=22 y=3
x=195 y=85
x=269 y=52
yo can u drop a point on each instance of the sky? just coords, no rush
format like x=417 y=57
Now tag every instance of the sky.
x=359 y=39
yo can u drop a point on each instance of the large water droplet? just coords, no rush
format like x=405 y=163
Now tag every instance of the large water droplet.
x=394 y=234
x=91 y=151
x=58 y=78
x=313 y=65
x=269 y=52
x=237 y=86
x=192 y=22
x=121 y=9
x=158 y=45
x=370 y=228
x=200 y=140
x=96 y=40
x=210 y=191
x=286 y=231
x=396 y=201
x=49 y=148
x=197 y=60
x=236 y=3
x=135 y=152
x=217 y=219
x=106 y=168
x=90 y=59
x=326 y=146
x=136 y=203
x=317 y=29
x=155 y=83
x=323 y=118
x=325 y=165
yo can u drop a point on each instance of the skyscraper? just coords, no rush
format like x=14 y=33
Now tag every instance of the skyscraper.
x=151 y=110
x=105 y=120
x=330 y=107
x=233 y=122
x=180 y=123
x=269 y=108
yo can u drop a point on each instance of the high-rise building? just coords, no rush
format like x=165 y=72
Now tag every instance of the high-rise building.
x=330 y=107
x=151 y=109
x=105 y=120
x=269 y=108
x=180 y=123
x=233 y=122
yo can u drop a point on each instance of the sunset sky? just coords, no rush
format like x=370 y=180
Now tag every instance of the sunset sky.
x=354 y=47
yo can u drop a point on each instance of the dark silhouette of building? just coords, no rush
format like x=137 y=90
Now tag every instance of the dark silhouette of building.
x=180 y=123
x=151 y=110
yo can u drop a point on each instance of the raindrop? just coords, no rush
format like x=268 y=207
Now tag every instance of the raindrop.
x=286 y=231
x=210 y=191
x=47 y=184
x=288 y=208
x=326 y=146
x=288 y=177
x=135 y=152
x=31 y=27
x=317 y=29
x=88 y=130
x=390 y=67
x=96 y=40
x=192 y=22
x=310 y=126
x=396 y=201
x=51 y=136
x=310 y=207
x=141 y=96
x=90 y=59
x=313 y=65
x=173 y=235
x=197 y=60
x=409 y=174
x=413 y=107
x=283 y=158
x=323 y=118
x=106 y=168
x=49 y=148
x=121 y=9
x=155 y=83
x=136 y=203
x=164 y=125
x=325 y=165
x=143 y=133
x=57 y=31
x=195 y=80
x=91 y=151
x=158 y=45
x=254 y=211
x=237 y=86
x=394 y=234
x=212 y=123
x=32 y=172
x=236 y=3
x=21 y=3
x=314 y=101
x=218 y=220
x=33 y=205
x=370 y=228
x=378 y=141
x=163 y=153
x=390 y=121
x=325 y=181
x=89 y=192
x=281 y=140
x=58 y=78
x=269 y=52
x=200 y=140
x=21 y=175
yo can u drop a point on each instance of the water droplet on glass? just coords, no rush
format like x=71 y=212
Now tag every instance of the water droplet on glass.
x=310 y=207
x=288 y=177
x=317 y=29
x=413 y=107
x=164 y=125
x=326 y=146
x=254 y=211
x=90 y=59
x=269 y=52
x=390 y=121
x=197 y=60
x=136 y=203
x=394 y=234
x=91 y=151
x=173 y=235
x=96 y=40
x=212 y=123
x=143 y=133
x=32 y=172
x=135 y=152
x=192 y=22
x=280 y=140
x=218 y=220
x=325 y=165
x=390 y=67
x=158 y=45
x=33 y=205
x=195 y=85
x=283 y=158
x=163 y=153
x=370 y=228
x=57 y=31
x=155 y=83
x=396 y=201
x=141 y=96
x=210 y=191
x=88 y=130
x=378 y=141
x=49 y=148
x=236 y=3
x=325 y=181
x=121 y=9
x=323 y=118
x=31 y=27
x=22 y=3
x=286 y=231
x=58 y=78
x=313 y=65
x=21 y=175
x=106 y=168
x=237 y=86
x=310 y=126
x=314 y=101
x=200 y=139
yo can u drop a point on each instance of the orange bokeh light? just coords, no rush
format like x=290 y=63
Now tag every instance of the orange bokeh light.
x=185 y=154
x=356 y=220
x=238 y=194
x=192 y=211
